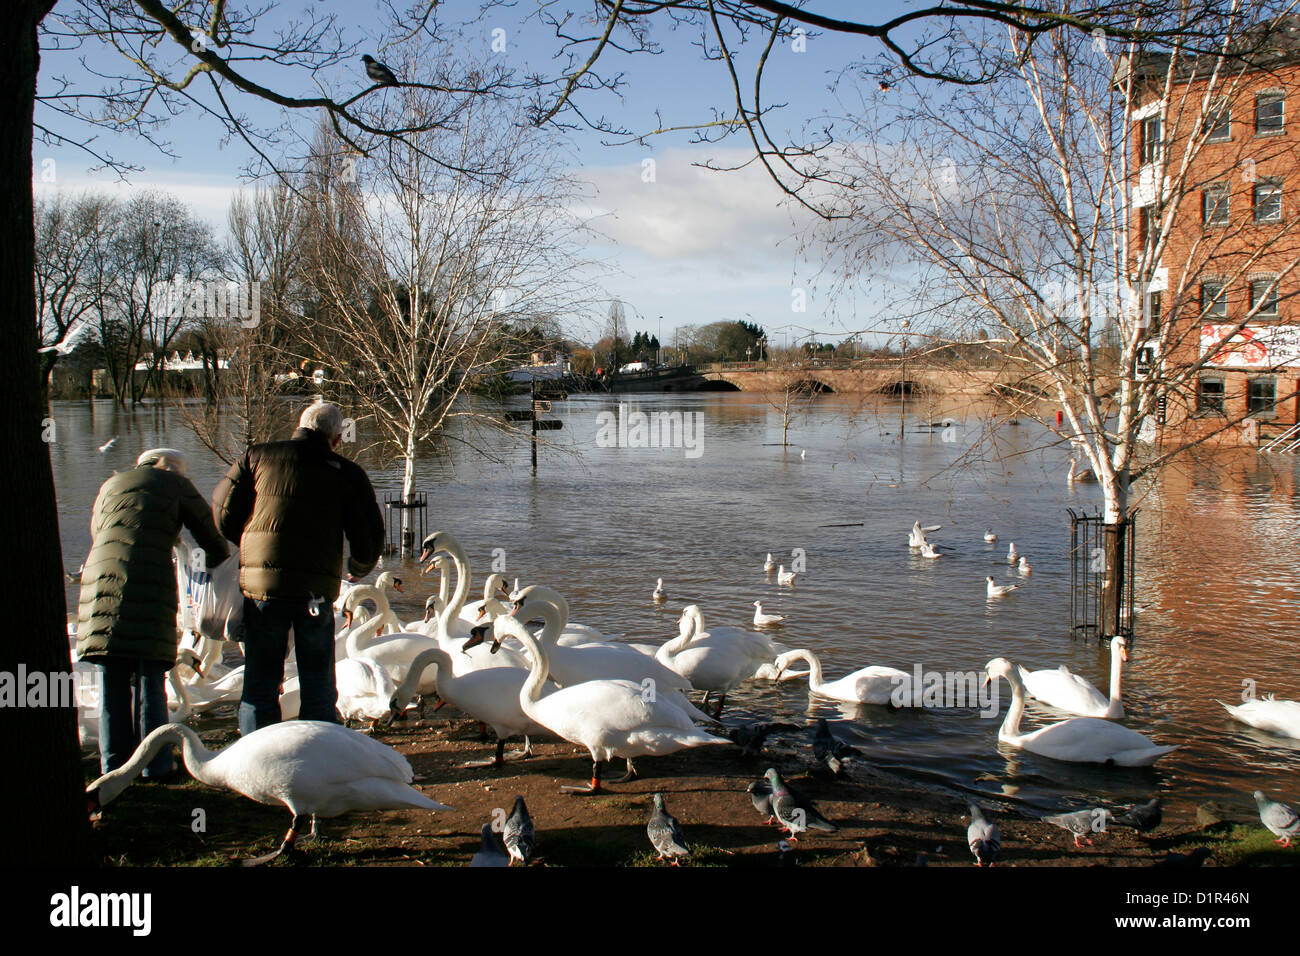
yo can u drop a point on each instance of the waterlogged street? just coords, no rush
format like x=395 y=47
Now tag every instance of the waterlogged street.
x=610 y=512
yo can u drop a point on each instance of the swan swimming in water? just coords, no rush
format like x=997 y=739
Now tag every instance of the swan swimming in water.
x=1067 y=691
x=1268 y=714
x=1078 y=739
x=867 y=685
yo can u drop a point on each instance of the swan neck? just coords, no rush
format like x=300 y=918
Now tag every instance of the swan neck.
x=815 y=680
x=462 y=577
x=362 y=635
x=196 y=757
x=1011 y=724
x=530 y=691
x=1116 y=677
x=434 y=657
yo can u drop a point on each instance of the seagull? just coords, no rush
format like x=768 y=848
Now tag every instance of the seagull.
x=1141 y=816
x=666 y=833
x=750 y=738
x=829 y=749
x=378 y=72
x=108 y=444
x=916 y=537
x=1278 y=817
x=1024 y=567
x=928 y=550
x=999 y=590
x=490 y=854
x=983 y=837
x=766 y=620
x=660 y=595
x=72 y=577
x=1080 y=823
x=803 y=453
x=794 y=811
x=783 y=576
x=1012 y=555
x=518 y=834
x=990 y=537
x=769 y=565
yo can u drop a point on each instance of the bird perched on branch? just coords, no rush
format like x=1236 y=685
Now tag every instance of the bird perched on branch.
x=378 y=72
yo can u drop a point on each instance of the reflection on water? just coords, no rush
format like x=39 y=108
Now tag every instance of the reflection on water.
x=1216 y=586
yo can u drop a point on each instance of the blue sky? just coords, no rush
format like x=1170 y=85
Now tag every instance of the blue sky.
x=692 y=246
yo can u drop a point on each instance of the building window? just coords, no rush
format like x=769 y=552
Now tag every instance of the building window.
x=1214 y=204
x=1263 y=292
x=1268 y=113
x=1268 y=201
x=1209 y=395
x=1261 y=396
x=1218 y=122
x=1153 y=309
x=1151 y=140
x=1214 y=304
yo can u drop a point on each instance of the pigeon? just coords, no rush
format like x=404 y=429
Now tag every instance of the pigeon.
x=490 y=854
x=828 y=749
x=760 y=794
x=766 y=620
x=983 y=837
x=794 y=811
x=1144 y=817
x=783 y=576
x=1024 y=567
x=928 y=550
x=1195 y=858
x=769 y=565
x=666 y=833
x=750 y=738
x=1081 y=823
x=378 y=72
x=999 y=590
x=108 y=445
x=990 y=537
x=518 y=834
x=660 y=595
x=1012 y=555
x=1278 y=817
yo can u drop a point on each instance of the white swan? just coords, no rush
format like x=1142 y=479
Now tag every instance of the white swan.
x=574 y=664
x=1068 y=691
x=995 y=590
x=611 y=718
x=1078 y=739
x=493 y=603
x=716 y=661
x=1275 y=716
x=766 y=620
x=490 y=696
x=312 y=767
x=785 y=577
x=867 y=685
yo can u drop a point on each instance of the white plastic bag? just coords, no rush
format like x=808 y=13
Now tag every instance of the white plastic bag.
x=211 y=601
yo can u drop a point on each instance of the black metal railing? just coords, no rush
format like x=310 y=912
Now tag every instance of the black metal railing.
x=1095 y=562
x=395 y=507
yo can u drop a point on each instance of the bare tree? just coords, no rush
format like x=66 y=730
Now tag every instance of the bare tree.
x=69 y=230
x=439 y=269
x=1007 y=212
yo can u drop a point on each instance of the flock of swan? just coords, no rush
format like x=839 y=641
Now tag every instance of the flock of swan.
x=614 y=699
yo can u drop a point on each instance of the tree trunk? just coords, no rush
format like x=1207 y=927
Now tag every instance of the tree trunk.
x=408 y=494
x=45 y=822
x=1113 y=597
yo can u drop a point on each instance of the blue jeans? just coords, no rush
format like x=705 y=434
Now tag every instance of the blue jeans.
x=127 y=714
x=266 y=642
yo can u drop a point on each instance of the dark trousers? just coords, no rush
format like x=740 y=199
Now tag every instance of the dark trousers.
x=266 y=642
x=129 y=710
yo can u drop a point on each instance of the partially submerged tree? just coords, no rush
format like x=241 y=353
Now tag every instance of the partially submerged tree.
x=1007 y=209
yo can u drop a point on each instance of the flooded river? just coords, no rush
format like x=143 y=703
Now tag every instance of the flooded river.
x=1217 y=591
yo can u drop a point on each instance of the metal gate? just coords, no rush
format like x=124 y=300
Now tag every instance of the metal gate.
x=1088 y=574
x=396 y=507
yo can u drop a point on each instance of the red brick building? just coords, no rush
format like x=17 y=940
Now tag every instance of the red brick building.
x=1228 y=148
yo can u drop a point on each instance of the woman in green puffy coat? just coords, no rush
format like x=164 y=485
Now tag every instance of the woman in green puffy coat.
x=127 y=612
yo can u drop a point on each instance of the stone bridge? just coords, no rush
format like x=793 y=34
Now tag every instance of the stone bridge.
x=895 y=378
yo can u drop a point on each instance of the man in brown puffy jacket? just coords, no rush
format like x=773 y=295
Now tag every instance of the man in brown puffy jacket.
x=289 y=505
x=127 y=614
